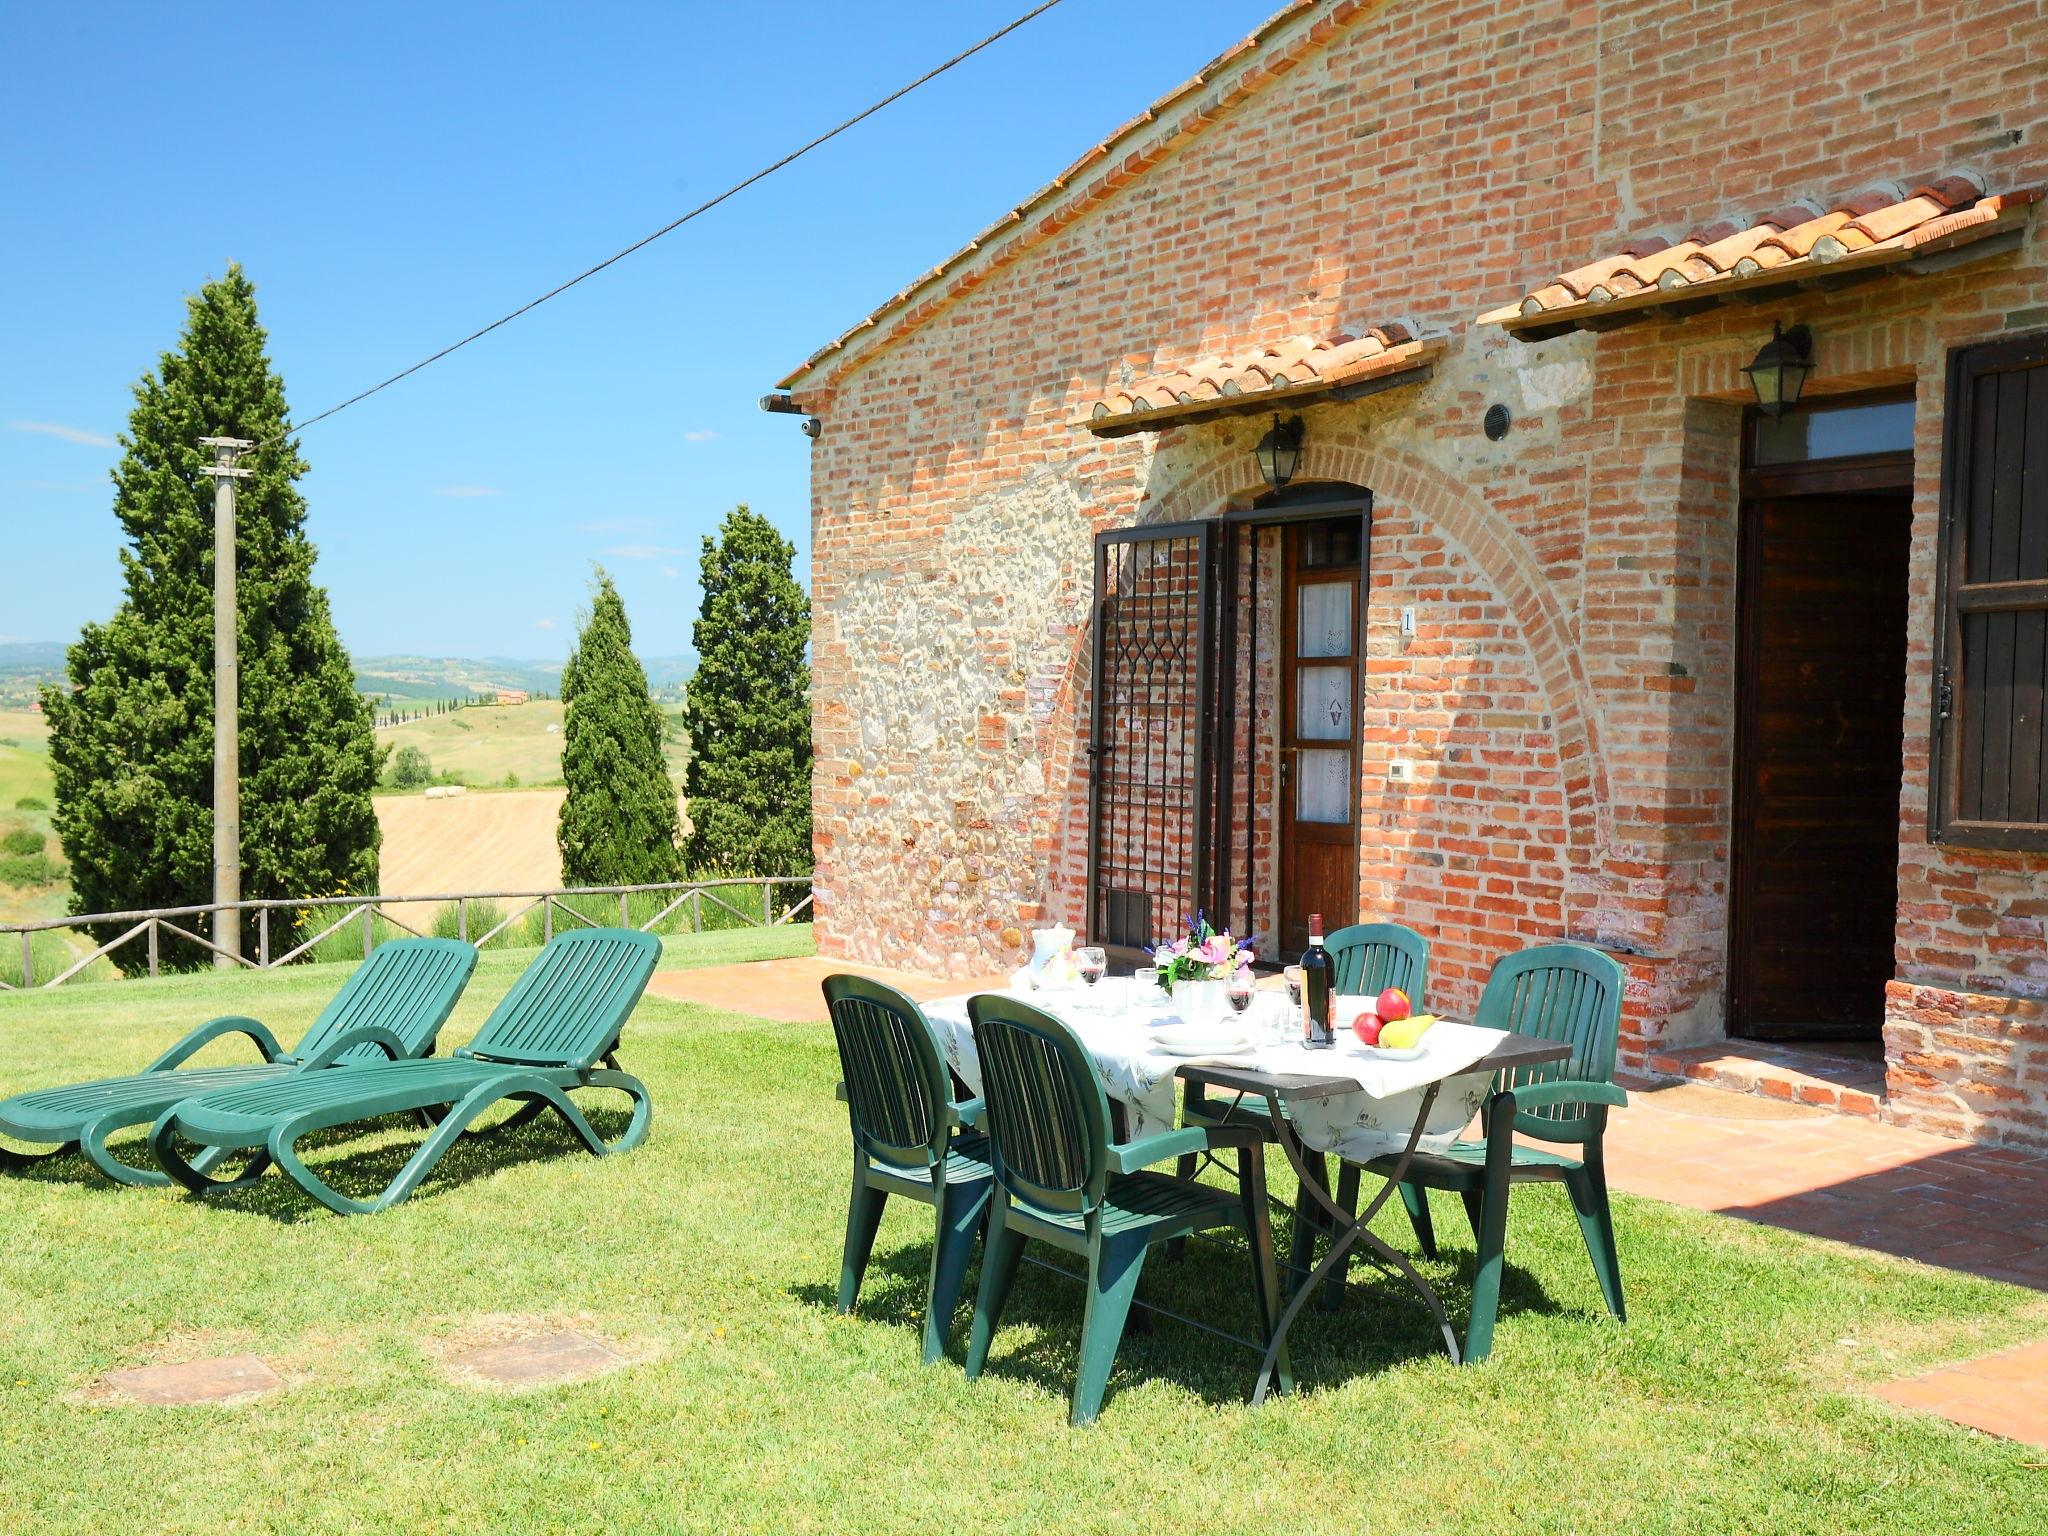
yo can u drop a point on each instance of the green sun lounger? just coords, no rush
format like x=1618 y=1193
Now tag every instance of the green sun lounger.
x=560 y=1020
x=394 y=1005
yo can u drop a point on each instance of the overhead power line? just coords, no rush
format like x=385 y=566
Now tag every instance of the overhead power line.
x=646 y=240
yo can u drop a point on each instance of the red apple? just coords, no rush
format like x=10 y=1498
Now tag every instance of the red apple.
x=1367 y=1027
x=1393 y=1005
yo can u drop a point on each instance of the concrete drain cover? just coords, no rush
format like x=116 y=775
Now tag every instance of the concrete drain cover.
x=196 y=1381
x=567 y=1356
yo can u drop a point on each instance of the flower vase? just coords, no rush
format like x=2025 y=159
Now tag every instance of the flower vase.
x=1201 y=1002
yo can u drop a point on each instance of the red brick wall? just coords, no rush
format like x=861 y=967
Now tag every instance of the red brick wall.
x=1568 y=697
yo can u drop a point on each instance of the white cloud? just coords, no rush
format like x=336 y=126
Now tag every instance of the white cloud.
x=670 y=572
x=700 y=435
x=66 y=434
x=619 y=525
x=543 y=623
x=641 y=551
x=468 y=492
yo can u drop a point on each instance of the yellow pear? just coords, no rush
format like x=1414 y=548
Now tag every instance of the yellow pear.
x=1406 y=1034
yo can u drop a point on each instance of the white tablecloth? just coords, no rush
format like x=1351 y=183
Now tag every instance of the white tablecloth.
x=1116 y=1023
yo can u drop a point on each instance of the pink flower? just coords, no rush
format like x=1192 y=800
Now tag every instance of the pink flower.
x=1214 y=951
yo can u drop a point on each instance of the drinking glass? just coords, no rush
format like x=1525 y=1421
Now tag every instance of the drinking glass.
x=1293 y=975
x=1093 y=961
x=1240 y=993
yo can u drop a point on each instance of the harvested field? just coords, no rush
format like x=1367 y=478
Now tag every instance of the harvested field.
x=497 y=842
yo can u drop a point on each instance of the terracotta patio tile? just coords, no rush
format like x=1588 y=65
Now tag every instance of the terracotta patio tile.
x=2003 y=1394
x=221 y=1380
x=566 y=1356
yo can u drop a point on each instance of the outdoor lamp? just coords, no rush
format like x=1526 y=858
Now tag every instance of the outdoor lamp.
x=1279 y=451
x=1779 y=371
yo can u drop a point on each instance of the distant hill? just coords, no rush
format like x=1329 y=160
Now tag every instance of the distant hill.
x=25 y=665
x=455 y=677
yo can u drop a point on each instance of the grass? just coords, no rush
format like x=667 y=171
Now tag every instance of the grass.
x=481 y=746
x=1730 y=1402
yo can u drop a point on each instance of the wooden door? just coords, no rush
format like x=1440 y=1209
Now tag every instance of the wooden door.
x=1319 y=683
x=1821 y=676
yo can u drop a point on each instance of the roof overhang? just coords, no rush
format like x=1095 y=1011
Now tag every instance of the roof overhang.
x=1299 y=371
x=1831 y=250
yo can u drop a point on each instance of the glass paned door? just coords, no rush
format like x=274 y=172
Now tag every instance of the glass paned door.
x=1319 y=731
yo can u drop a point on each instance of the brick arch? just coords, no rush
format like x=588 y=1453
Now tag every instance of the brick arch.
x=1464 y=516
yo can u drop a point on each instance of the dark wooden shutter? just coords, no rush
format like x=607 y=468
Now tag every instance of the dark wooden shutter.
x=1991 y=654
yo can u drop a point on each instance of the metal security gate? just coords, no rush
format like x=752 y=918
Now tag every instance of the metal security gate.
x=1152 y=770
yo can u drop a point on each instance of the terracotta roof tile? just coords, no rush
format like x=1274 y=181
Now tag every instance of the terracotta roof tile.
x=1872 y=226
x=1297 y=368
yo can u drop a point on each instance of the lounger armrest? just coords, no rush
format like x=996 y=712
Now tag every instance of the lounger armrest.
x=839 y=1093
x=969 y=1112
x=362 y=1034
x=1544 y=1095
x=1130 y=1156
x=213 y=1029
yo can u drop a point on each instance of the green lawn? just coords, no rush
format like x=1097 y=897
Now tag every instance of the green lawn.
x=1729 y=1403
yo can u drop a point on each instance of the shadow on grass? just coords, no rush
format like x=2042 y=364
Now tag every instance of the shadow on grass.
x=376 y=1152
x=1380 y=1325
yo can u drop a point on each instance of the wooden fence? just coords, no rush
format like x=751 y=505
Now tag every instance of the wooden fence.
x=189 y=923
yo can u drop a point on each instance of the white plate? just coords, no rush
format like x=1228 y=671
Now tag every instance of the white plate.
x=1387 y=1052
x=1200 y=1040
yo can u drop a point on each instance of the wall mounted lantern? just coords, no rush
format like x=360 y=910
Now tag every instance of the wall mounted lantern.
x=1279 y=451
x=1779 y=370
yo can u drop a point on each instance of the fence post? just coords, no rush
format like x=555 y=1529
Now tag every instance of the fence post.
x=462 y=918
x=624 y=920
x=369 y=930
x=767 y=905
x=263 y=937
x=696 y=911
x=547 y=919
x=28 y=959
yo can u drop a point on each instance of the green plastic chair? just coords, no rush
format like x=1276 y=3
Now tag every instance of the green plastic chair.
x=547 y=1037
x=907 y=1140
x=407 y=989
x=1369 y=958
x=1060 y=1180
x=1568 y=992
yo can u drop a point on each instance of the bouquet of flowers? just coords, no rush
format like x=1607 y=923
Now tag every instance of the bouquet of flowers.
x=1204 y=955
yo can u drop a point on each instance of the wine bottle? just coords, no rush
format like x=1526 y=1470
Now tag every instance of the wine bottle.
x=1318 y=980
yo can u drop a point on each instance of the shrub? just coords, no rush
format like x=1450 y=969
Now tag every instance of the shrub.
x=483 y=917
x=27 y=869
x=21 y=840
x=411 y=769
x=31 y=803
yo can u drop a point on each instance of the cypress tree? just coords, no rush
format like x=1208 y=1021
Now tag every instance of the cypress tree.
x=747 y=707
x=131 y=736
x=618 y=821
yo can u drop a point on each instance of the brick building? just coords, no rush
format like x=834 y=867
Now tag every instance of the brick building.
x=1551 y=632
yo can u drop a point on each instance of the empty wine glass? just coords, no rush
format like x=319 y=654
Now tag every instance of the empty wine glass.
x=1293 y=975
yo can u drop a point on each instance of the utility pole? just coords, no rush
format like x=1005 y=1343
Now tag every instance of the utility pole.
x=227 y=702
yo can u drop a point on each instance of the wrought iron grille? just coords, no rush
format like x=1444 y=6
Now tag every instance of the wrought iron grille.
x=1151 y=763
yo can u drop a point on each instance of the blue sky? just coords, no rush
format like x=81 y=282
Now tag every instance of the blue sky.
x=392 y=176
